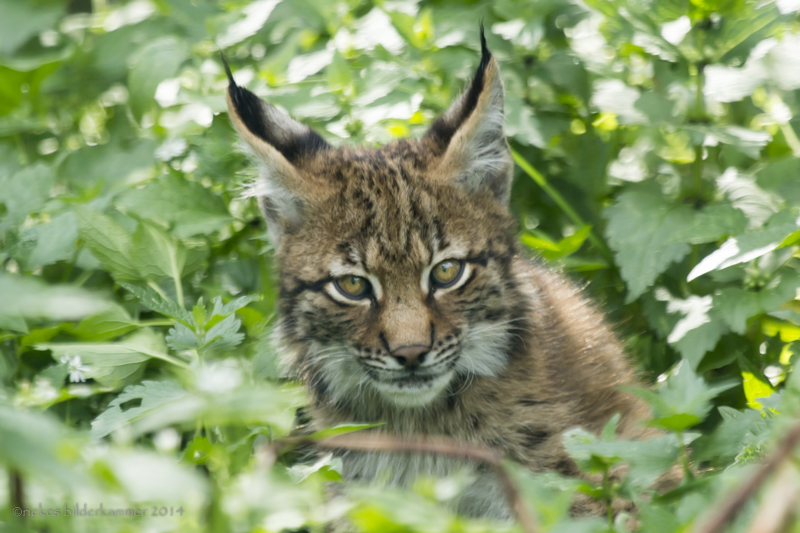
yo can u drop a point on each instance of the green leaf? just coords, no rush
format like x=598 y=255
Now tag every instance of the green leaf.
x=736 y=306
x=109 y=243
x=737 y=430
x=153 y=63
x=155 y=253
x=55 y=241
x=186 y=206
x=563 y=248
x=24 y=193
x=31 y=298
x=148 y=395
x=21 y=21
x=640 y=229
x=264 y=405
x=683 y=401
x=710 y=224
x=741 y=249
x=107 y=325
x=106 y=166
x=113 y=362
x=39 y=445
x=154 y=301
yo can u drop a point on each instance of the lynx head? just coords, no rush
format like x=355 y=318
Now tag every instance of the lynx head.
x=395 y=261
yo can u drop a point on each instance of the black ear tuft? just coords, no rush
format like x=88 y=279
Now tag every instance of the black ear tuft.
x=443 y=129
x=293 y=140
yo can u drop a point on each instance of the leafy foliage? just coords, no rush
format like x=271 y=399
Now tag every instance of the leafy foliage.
x=658 y=165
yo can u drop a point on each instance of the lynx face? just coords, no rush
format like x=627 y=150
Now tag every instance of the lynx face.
x=395 y=261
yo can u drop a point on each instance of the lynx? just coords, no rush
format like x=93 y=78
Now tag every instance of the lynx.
x=404 y=298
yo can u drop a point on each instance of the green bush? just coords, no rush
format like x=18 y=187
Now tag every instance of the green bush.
x=657 y=164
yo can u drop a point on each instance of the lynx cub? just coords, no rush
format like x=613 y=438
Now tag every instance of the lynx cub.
x=404 y=297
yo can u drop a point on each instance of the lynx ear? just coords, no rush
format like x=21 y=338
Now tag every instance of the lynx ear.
x=282 y=145
x=470 y=134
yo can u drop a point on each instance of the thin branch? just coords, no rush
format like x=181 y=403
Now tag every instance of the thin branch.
x=435 y=445
x=731 y=506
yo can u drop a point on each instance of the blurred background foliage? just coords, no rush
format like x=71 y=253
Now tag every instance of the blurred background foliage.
x=657 y=152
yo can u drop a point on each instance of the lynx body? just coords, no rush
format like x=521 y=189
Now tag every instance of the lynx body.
x=404 y=298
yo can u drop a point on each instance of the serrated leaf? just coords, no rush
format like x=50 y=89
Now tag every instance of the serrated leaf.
x=112 y=362
x=711 y=224
x=155 y=253
x=182 y=337
x=736 y=306
x=155 y=61
x=150 y=394
x=262 y=405
x=224 y=335
x=186 y=206
x=741 y=249
x=223 y=310
x=24 y=193
x=152 y=300
x=683 y=401
x=107 y=325
x=640 y=229
x=108 y=242
x=55 y=241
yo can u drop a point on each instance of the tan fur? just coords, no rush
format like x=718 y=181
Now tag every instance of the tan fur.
x=517 y=355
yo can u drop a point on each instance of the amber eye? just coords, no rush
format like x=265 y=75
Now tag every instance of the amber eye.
x=354 y=287
x=446 y=273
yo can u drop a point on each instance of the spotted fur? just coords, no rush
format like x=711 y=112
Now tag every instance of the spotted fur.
x=515 y=354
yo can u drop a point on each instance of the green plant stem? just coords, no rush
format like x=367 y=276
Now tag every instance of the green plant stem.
x=609 y=500
x=179 y=291
x=791 y=138
x=153 y=285
x=687 y=468
x=700 y=115
x=155 y=322
x=560 y=202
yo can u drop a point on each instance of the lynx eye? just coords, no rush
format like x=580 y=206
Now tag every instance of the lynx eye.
x=354 y=287
x=446 y=273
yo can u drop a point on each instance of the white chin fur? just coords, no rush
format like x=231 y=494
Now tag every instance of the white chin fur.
x=413 y=397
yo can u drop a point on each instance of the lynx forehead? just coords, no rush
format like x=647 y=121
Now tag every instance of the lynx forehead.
x=395 y=261
x=404 y=298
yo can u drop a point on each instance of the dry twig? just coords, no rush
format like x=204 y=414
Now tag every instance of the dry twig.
x=436 y=445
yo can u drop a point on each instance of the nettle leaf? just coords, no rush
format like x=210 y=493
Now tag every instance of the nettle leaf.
x=140 y=399
x=224 y=335
x=26 y=297
x=156 y=253
x=181 y=337
x=186 y=206
x=736 y=306
x=698 y=330
x=738 y=430
x=154 y=301
x=266 y=404
x=25 y=192
x=54 y=241
x=640 y=228
x=683 y=401
x=39 y=445
x=109 y=243
x=710 y=224
x=744 y=248
x=153 y=63
x=107 y=325
x=113 y=362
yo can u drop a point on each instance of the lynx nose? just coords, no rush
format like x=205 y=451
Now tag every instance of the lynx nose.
x=411 y=356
